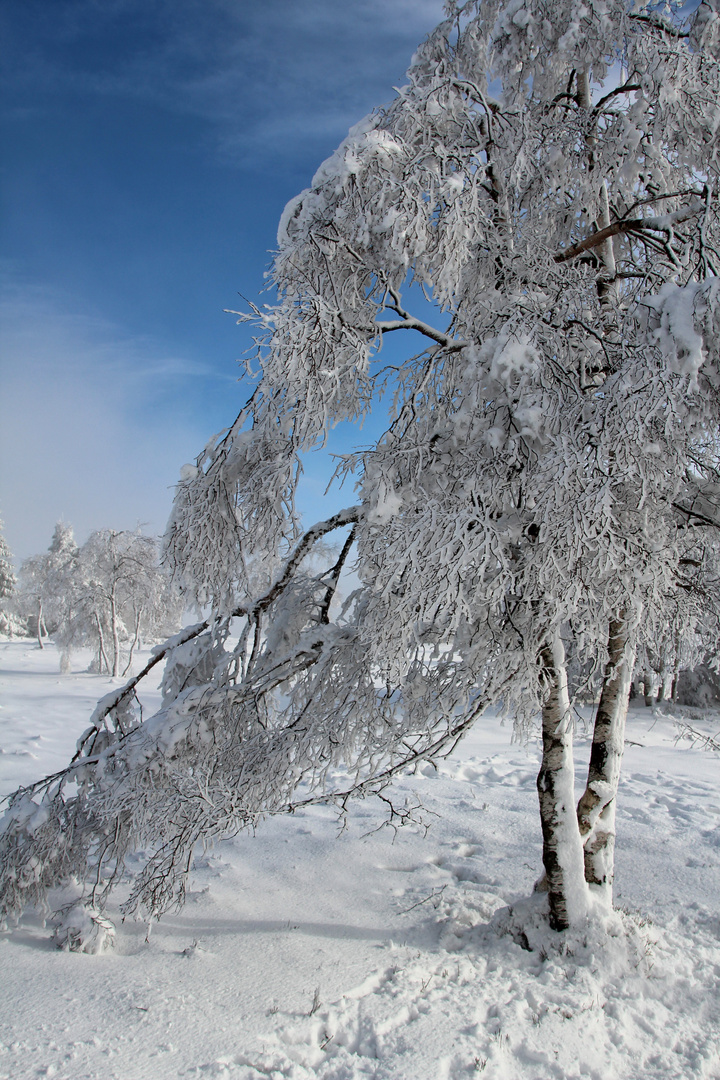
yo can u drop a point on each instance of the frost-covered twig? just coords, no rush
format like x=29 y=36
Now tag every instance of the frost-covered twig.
x=696 y=738
x=112 y=700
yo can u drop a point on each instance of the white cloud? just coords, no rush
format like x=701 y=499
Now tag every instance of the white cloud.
x=85 y=429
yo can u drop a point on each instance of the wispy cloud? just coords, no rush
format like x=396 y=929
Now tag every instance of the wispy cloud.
x=94 y=423
x=261 y=74
x=95 y=418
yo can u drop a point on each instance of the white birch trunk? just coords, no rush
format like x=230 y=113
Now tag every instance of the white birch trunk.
x=596 y=808
x=104 y=666
x=115 y=637
x=648 y=688
x=562 y=846
x=606 y=250
x=133 y=646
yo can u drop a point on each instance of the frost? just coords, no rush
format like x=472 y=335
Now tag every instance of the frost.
x=82 y=928
x=676 y=335
x=532 y=515
x=512 y=358
x=387 y=505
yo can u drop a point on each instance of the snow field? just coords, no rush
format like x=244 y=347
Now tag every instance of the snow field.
x=305 y=955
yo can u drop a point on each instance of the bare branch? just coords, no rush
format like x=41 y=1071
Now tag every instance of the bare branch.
x=628 y=225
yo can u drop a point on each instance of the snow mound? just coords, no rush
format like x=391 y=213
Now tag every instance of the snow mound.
x=82 y=928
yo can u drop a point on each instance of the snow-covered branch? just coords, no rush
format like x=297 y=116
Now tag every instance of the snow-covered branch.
x=659 y=223
x=524 y=521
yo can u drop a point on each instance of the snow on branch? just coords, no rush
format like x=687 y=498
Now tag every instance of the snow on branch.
x=660 y=223
x=697 y=738
x=523 y=497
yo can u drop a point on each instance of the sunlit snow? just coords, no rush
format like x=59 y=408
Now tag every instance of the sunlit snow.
x=305 y=955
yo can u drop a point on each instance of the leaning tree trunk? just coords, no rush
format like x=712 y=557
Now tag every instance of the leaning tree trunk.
x=102 y=655
x=676 y=668
x=596 y=809
x=562 y=845
x=133 y=645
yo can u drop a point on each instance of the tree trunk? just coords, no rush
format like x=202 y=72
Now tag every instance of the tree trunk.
x=676 y=667
x=596 y=808
x=605 y=283
x=102 y=656
x=661 y=687
x=648 y=688
x=133 y=646
x=673 y=688
x=562 y=846
x=115 y=637
x=40 y=625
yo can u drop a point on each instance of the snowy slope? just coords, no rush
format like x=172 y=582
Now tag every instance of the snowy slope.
x=302 y=954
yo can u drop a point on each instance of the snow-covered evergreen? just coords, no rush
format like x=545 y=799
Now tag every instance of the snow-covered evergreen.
x=548 y=177
x=8 y=578
x=11 y=624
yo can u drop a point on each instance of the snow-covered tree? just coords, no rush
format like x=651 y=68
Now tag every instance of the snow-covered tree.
x=8 y=579
x=10 y=623
x=115 y=595
x=109 y=594
x=45 y=583
x=547 y=179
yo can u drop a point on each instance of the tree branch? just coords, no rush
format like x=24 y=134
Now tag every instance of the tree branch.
x=409 y=322
x=423 y=328
x=347 y=516
x=658 y=24
x=625 y=89
x=689 y=512
x=656 y=224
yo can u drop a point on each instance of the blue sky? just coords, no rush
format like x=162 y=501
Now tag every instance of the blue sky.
x=149 y=149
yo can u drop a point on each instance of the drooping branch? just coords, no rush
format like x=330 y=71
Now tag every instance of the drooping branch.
x=332 y=577
x=349 y=516
x=111 y=701
x=115 y=697
x=441 y=747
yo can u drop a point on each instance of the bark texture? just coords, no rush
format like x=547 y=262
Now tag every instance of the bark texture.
x=596 y=808
x=648 y=689
x=562 y=845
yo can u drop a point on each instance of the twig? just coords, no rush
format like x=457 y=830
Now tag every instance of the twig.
x=434 y=895
x=697 y=738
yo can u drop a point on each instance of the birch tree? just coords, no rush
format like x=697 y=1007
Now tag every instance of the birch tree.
x=547 y=178
x=45 y=579
x=116 y=593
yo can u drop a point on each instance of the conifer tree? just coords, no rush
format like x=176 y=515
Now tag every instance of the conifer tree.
x=10 y=623
x=8 y=580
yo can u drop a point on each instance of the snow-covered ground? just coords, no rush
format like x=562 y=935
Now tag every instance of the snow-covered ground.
x=302 y=954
